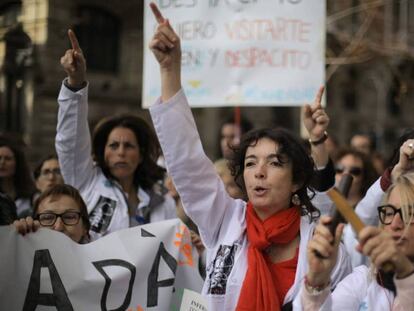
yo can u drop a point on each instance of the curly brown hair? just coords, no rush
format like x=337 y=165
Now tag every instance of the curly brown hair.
x=292 y=150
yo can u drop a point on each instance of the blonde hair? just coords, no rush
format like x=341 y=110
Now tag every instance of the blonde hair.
x=404 y=184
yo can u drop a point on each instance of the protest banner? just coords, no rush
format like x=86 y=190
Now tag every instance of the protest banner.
x=141 y=268
x=242 y=52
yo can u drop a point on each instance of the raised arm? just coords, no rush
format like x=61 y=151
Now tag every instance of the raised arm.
x=202 y=192
x=73 y=143
x=316 y=122
x=166 y=47
x=74 y=63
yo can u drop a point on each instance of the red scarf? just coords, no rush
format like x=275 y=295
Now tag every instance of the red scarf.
x=259 y=291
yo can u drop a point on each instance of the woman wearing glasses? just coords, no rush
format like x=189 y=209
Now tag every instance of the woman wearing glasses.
x=60 y=208
x=368 y=288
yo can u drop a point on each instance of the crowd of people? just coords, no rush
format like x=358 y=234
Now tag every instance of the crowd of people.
x=259 y=216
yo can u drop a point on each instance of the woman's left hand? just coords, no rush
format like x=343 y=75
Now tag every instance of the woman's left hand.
x=326 y=246
x=315 y=119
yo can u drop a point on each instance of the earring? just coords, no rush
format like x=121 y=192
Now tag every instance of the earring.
x=295 y=199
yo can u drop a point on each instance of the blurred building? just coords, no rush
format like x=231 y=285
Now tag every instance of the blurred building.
x=111 y=37
x=370 y=72
x=369 y=68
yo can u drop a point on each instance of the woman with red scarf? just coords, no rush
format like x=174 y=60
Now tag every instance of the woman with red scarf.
x=256 y=251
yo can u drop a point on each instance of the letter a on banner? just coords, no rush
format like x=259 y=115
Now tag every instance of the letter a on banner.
x=153 y=283
x=34 y=298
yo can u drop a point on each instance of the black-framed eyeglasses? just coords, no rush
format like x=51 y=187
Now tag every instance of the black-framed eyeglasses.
x=48 y=219
x=353 y=170
x=387 y=213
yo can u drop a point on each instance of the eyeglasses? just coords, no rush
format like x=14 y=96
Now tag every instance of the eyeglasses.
x=387 y=213
x=353 y=170
x=47 y=172
x=69 y=218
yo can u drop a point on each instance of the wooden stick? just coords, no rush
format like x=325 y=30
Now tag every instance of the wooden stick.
x=349 y=214
x=346 y=210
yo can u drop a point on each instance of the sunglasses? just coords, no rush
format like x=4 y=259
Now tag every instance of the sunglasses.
x=353 y=170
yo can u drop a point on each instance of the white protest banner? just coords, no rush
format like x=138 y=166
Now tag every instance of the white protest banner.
x=242 y=52
x=136 y=269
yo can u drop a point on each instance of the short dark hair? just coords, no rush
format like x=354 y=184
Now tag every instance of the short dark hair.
x=148 y=171
x=289 y=146
x=38 y=168
x=63 y=189
x=22 y=179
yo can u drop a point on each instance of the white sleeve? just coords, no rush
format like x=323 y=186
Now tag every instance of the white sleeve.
x=350 y=292
x=348 y=295
x=367 y=207
x=202 y=192
x=73 y=142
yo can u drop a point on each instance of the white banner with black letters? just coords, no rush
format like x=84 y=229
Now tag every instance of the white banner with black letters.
x=142 y=268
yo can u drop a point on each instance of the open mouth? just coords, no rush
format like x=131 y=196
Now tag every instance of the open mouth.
x=260 y=190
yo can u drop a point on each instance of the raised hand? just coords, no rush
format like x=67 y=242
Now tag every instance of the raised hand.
x=324 y=243
x=74 y=63
x=165 y=43
x=315 y=119
x=406 y=161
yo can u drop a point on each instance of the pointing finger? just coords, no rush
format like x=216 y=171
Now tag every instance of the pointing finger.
x=73 y=40
x=318 y=98
x=157 y=13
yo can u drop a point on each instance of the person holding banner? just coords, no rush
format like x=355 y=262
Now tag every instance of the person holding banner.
x=256 y=250
x=122 y=188
x=60 y=208
x=364 y=288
